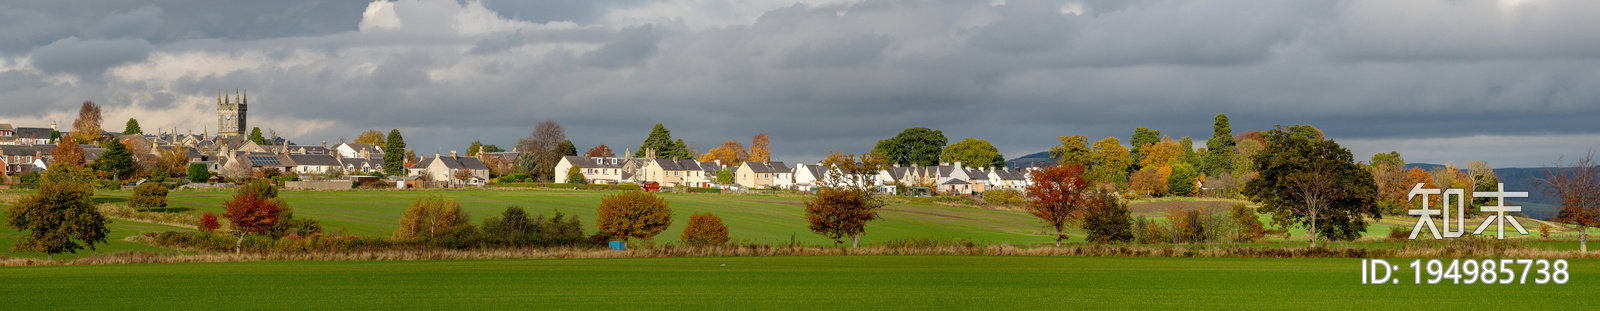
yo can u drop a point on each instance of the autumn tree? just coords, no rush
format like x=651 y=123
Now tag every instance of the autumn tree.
x=633 y=214
x=543 y=145
x=1141 y=137
x=1314 y=183
x=60 y=216
x=1109 y=161
x=132 y=128
x=252 y=211
x=174 y=160
x=917 y=145
x=759 y=148
x=431 y=217
x=1389 y=176
x=1219 y=149
x=371 y=137
x=68 y=152
x=1161 y=153
x=148 y=195
x=394 y=154
x=973 y=152
x=704 y=230
x=86 y=128
x=1150 y=181
x=846 y=201
x=208 y=223
x=1481 y=177
x=1058 y=193
x=599 y=151
x=1577 y=185
x=1073 y=149
x=731 y=153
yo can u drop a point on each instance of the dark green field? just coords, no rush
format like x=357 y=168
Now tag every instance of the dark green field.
x=875 y=282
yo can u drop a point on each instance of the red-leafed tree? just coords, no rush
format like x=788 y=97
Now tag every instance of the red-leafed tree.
x=208 y=222
x=705 y=230
x=251 y=213
x=600 y=151
x=1058 y=193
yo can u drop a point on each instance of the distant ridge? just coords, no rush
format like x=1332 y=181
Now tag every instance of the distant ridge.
x=1037 y=159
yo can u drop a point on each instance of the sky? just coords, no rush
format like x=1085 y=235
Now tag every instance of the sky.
x=1515 y=83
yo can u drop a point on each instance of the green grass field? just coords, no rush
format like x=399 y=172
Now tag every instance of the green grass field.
x=848 y=283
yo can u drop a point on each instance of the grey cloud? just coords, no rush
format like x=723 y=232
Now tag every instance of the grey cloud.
x=841 y=77
x=138 y=23
x=88 y=58
x=633 y=46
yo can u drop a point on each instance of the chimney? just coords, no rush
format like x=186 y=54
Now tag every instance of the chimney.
x=324 y=143
x=958 y=164
x=452 y=154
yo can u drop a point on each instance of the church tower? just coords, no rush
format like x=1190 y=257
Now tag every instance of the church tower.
x=231 y=113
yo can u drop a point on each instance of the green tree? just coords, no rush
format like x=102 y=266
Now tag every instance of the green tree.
x=917 y=145
x=660 y=141
x=394 y=154
x=1074 y=149
x=55 y=136
x=725 y=176
x=1186 y=152
x=492 y=148
x=117 y=160
x=1314 y=183
x=472 y=150
x=575 y=175
x=1219 y=149
x=132 y=128
x=973 y=152
x=198 y=172
x=567 y=149
x=1181 y=181
x=255 y=136
x=1107 y=219
x=1304 y=131
x=1141 y=137
x=60 y=217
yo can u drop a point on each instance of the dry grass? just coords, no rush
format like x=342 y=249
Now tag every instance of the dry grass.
x=122 y=211
x=1442 y=250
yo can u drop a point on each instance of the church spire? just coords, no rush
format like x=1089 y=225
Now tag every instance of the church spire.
x=246 y=99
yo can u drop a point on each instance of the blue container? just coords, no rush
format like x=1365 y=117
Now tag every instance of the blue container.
x=619 y=245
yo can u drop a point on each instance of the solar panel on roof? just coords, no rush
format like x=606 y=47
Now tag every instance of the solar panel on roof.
x=264 y=160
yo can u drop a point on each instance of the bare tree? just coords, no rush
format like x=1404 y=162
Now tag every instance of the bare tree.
x=542 y=144
x=1577 y=184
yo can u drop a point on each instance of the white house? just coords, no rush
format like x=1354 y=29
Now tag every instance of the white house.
x=444 y=168
x=314 y=163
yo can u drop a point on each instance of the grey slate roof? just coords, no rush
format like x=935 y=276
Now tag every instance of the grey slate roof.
x=778 y=167
x=668 y=164
x=452 y=163
x=314 y=159
x=953 y=181
x=759 y=167
x=33 y=132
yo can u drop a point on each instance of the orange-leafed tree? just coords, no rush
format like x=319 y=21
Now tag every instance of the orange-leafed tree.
x=1160 y=153
x=1058 y=193
x=68 y=152
x=600 y=151
x=731 y=153
x=251 y=213
x=633 y=214
x=705 y=230
x=758 y=148
x=846 y=201
x=1577 y=185
x=87 y=127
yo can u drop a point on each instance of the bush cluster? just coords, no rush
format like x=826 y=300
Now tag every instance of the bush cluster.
x=1187 y=226
x=1008 y=197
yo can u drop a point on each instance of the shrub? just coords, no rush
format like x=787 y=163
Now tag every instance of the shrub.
x=702 y=190
x=147 y=195
x=1007 y=197
x=198 y=172
x=1181 y=181
x=1249 y=223
x=704 y=230
x=1107 y=220
x=633 y=214
x=1399 y=233
x=513 y=226
x=431 y=217
x=1544 y=231
x=1148 y=231
x=208 y=222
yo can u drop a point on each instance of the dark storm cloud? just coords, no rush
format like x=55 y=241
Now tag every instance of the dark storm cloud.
x=88 y=58
x=842 y=76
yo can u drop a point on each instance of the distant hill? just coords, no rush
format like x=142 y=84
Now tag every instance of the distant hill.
x=1515 y=178
x=1032 y=160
